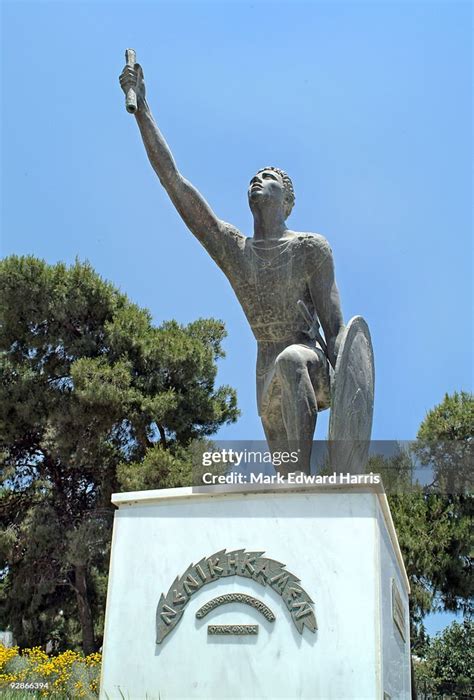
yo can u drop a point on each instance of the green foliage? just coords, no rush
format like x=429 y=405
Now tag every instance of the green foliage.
x=448 y=666
x=445 y=443
x=430 y=532
x=159 y=466
x=452 y=419
x=434 y=521
x=93 y=398
x=452 y=654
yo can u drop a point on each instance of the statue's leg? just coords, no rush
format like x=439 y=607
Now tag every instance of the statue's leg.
x=272 y=421
x=299 y=371
x=269 y=398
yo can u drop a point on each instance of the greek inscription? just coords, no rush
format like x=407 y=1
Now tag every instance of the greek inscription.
x=236 y=563
x=248 y=564
x=233 y=562
x=168 y=614
x=292 y=593
x=303 y=608
x=236 y=598
x=264 y=571
x=232 y=629
x=213 y=567
x=189 y=584
x=178 y=597
x=200 y=572
x=279 y=581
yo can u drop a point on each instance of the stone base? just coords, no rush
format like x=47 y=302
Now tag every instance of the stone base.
x=338 y=541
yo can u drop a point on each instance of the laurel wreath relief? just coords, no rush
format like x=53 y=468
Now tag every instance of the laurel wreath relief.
x=253 y=565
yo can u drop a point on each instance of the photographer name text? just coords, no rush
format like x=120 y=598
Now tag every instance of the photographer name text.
x=336 y=478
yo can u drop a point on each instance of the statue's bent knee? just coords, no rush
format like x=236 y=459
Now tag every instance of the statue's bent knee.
x=292 y=359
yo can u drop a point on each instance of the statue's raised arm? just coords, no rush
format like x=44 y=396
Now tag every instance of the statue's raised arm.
x=285 y=283
x=191 y=205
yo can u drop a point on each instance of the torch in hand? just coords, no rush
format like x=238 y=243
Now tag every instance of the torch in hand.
x=131 y=94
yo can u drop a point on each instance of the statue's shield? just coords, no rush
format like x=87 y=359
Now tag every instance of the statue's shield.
x=352 y=400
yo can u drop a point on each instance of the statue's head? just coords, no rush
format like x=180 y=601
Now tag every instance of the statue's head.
x=271 y=187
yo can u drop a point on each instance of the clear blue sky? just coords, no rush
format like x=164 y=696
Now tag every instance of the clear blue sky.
x=366 y=105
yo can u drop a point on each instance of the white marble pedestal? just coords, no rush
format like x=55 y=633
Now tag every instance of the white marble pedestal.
x=339 y=541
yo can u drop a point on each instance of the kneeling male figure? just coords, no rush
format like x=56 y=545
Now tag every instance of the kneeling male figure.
x=269 y=273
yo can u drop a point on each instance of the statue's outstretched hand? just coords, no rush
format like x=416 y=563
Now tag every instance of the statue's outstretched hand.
x=132 y=77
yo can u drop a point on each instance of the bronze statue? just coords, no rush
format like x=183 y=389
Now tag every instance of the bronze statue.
x=284 y=281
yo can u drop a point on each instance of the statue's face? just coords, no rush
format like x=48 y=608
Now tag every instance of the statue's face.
x=266 y=189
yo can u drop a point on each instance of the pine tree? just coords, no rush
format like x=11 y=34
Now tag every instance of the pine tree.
x=93 y=398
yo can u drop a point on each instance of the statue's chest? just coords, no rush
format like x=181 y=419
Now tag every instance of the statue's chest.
x=269 y=282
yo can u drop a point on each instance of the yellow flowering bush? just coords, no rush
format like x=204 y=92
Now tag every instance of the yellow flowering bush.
x=67 y=675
